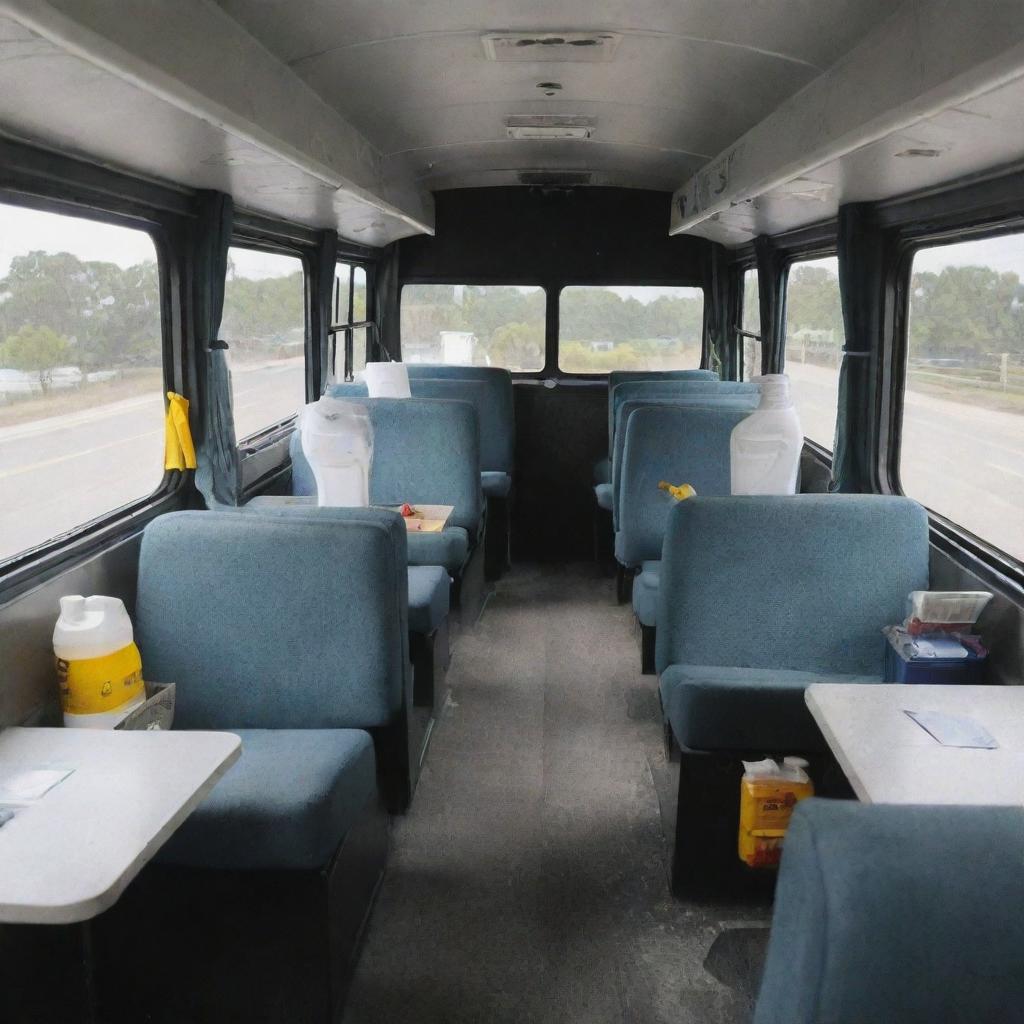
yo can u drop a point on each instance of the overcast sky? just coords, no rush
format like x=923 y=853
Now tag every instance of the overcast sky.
x=23 y=230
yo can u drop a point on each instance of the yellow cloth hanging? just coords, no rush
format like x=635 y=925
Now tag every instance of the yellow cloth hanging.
x=179 y=452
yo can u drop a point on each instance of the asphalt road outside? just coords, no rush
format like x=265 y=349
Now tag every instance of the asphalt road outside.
x=61 y=472
x=962 y=460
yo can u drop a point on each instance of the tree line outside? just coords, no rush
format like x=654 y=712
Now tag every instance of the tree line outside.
x=599 y=329
x=68 y=322
x=88 y=325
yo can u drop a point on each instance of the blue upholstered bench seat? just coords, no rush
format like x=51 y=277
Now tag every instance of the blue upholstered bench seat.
x=495 y=484
x=286 y=803
x=603 y=493
x=449 y=548
x=899 y=913
x=603 y=471
x=429 y=597
x=645 y=593
x=716 y=707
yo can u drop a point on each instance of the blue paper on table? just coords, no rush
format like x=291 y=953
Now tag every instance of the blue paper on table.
x=954 y=731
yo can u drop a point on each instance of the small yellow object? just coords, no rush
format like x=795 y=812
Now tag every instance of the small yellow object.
x=766 y=805
x=678 y=491
x=179 y=451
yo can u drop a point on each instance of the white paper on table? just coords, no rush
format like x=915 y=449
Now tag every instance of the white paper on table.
x=952 y=730
x=28 y=784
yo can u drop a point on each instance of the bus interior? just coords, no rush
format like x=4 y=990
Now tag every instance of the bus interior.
x=496 y=756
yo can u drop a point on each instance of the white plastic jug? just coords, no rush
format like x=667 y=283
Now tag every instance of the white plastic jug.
x=98 y=665
x=764 y=448
x=387 y=380
x=337 y=439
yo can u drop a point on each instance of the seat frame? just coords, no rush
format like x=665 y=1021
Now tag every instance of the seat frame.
x=185 y=943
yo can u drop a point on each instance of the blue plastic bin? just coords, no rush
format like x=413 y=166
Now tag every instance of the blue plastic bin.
x=901 y=668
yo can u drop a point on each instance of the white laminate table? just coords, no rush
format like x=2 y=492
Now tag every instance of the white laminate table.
x=69 y=855
x=890 y=759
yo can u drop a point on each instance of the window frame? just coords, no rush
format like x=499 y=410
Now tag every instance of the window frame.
x=992 y=563
x=817 y=450
x=270 y=241
x=105 y=197
x=478 y=282
x=349 y=326
x=570 y=375
x=740 y=270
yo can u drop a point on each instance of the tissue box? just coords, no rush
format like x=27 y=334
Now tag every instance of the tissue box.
x=156 y=713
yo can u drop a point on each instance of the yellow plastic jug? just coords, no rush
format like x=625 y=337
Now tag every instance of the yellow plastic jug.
x=99 y=668
x=768 y=794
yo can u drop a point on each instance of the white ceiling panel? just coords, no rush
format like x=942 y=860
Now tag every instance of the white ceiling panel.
x=686 y=78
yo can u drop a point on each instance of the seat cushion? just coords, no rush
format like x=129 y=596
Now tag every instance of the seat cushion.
x=603 y=493
x=715 y=707
x=449 y=548
x=645 y=593
x=287 y=802
x=495 y=485
x=429 y=587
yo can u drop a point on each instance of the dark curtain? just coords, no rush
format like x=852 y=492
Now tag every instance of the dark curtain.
x=386 y=286
x=217 y=475
x=770 y=303
x=861 y=272
x=323 y=309
x=717 y=283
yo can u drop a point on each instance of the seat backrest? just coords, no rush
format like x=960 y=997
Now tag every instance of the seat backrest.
x=678 y=445
x=747 y=401
x=424 y=451
x=286 y=620
x=897 y=913
x=636 y=389
x=802 y=582
x=486 y=395
x=617 y=377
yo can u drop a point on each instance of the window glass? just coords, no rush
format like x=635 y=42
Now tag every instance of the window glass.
x=751 y=323
x=264 y=324
x=629 y=328
x=962 y=452
x=358 y=294
x=360 y=339
x=474 y=325
x=342 y=288
x=81 y=375
x=814 y=344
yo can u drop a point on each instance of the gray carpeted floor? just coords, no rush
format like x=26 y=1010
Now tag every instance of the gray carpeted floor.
x=529 y=882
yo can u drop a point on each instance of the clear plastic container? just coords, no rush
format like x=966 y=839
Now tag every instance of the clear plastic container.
x=337 y=440
x=764 y=449
x=99 y=668
x=387 y=380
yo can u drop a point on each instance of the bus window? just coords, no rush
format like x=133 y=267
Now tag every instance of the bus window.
x=751 y=323
x=629 y=328
x=81 y=373
x=264 y=324
x=349 y=309
x=962 y=449
x=814 y=344
x=474 y=325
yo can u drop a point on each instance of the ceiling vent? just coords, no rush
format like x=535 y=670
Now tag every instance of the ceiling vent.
x=555 y=179
x=589 y=47
x=549 y=126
